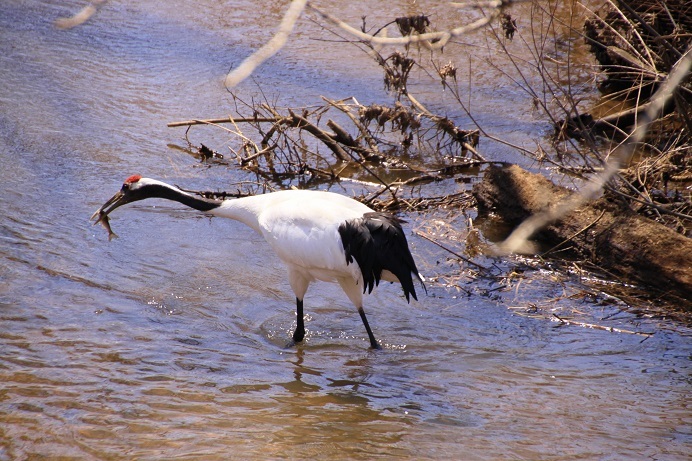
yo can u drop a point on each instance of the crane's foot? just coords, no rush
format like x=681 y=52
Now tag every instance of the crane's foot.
x=298 y=336
x=299 y=332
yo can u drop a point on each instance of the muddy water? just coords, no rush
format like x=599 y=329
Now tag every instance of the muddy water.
x=168 y=342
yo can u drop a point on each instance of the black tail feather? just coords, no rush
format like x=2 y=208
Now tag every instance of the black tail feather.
x=377 y=242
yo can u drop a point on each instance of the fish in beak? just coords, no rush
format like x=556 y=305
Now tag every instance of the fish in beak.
x=101 y=215
x=122 y=197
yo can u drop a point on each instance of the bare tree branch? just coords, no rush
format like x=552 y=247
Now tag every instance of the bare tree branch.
x=517 y=242
x=433 y=40
x=272 y=47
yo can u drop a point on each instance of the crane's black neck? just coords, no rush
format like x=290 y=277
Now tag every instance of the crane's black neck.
x=172 y=193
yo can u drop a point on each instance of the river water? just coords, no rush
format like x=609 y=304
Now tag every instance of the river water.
x=168 y=343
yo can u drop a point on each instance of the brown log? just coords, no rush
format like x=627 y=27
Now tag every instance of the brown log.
x=620 y=241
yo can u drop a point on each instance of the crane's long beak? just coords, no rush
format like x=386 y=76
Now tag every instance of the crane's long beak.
x=119 y=199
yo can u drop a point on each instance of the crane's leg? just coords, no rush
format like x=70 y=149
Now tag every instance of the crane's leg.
x=299 y=334
x=355 y=294
x=373 y=342
x=299 y=284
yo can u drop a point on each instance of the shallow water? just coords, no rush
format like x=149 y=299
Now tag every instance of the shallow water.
x=169 y=341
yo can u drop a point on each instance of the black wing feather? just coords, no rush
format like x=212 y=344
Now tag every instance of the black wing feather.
x=377 y=242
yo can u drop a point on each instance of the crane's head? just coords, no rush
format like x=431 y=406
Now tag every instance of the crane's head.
x=134 y=188
x=138 y=188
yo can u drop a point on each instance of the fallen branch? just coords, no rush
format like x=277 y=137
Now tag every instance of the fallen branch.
x=595 y=326
x=297 y=121
x=218 y=121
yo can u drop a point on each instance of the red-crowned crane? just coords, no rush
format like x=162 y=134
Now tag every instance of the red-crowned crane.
x=318 y=235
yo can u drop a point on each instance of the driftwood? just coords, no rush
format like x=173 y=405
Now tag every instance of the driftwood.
x=617 y=240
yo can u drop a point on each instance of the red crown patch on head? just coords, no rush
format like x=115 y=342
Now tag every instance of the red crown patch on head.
x=133 y=179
